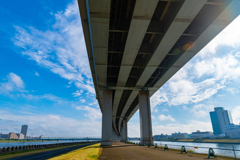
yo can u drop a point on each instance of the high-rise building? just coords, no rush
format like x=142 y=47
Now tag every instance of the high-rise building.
x=24 y=130
x=220 y=118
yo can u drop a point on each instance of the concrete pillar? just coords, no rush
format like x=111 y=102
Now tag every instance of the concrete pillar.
x=124 y=130
x=115 y=136
x=145 y=118
x=107 y=118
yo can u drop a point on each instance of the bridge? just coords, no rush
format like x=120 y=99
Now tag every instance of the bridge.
x=135 y=46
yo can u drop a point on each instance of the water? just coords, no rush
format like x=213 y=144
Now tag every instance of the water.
x=219 y=151
x=14 y=144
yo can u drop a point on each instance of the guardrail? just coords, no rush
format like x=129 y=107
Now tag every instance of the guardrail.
x=168 y=146
x=194 y=147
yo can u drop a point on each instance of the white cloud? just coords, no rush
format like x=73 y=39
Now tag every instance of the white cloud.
x=93 y=113
x=201 y=110
x=206 y=74
x=165 y=110
x=158 y=98
x=184 y=89
x=228 y=37
x=188 y=91
x=61 y=49
x=164 y=118
x=87 y=87
x=236 y=115
x=185 y=107
x=49 y=125
x=82 y=100
x=77 y=93
x=188 y=127
x=133 y=130
x=220 y=67
x=36 y=73
x=232 y=90
x=49 y=97
x=14 y=83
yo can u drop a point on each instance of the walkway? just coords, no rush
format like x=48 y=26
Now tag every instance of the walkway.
x=123 y=151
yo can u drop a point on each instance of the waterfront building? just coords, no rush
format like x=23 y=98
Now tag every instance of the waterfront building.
x=180 y=135
x=20 y=135
x=3 y=136
x=24 y=130
x=12 y=135
x=220 y=118
x=162 y=136
x=199 y=134
x=233 y=131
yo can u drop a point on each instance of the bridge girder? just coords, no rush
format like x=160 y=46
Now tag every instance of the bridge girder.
x=139 y=44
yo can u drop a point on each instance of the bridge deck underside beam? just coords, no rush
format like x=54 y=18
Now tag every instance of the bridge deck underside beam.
x=141 y=18
x=139 y=44
x=222 y=20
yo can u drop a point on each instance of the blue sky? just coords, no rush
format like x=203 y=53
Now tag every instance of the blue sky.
x=45 y=79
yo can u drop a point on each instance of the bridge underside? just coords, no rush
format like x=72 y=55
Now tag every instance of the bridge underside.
x=138 y=45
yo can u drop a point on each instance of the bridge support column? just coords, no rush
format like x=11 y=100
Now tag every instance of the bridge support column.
x=107 y=118
x=145 y=118
x=124 y=130
x=115 y=136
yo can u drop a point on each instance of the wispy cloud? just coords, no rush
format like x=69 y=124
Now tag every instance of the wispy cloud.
x=60 y=49
x=36 y=73
x=165 y=118
x=13 y=83
x=201 y=110
x=206 y=74
x=236 y=115
x=93 y=113
x=49 y=124
x=228 y=37
x=187 y=127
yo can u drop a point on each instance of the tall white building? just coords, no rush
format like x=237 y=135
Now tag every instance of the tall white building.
x=220 y=119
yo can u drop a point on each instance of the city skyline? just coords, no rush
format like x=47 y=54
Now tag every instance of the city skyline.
x=53 y=93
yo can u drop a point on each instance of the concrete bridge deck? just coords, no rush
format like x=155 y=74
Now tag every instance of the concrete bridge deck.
x=123 y=151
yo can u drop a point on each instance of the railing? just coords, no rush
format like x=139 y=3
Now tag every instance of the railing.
x=230 y=153
x=194 y=147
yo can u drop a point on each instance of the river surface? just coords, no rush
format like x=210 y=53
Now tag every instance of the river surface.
x=203 y=147
x=14 y=144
